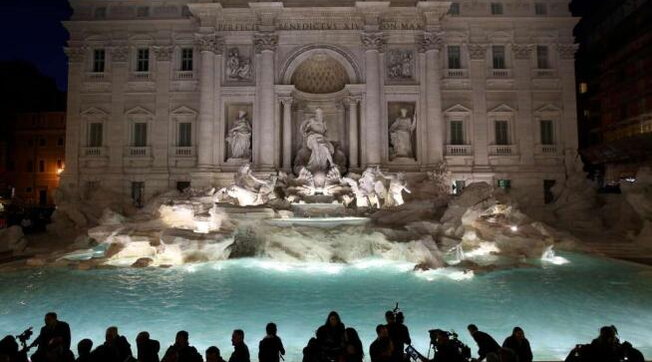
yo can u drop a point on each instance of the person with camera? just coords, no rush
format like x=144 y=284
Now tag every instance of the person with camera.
x=487 y=345
x=53 y=341
x=519 y=345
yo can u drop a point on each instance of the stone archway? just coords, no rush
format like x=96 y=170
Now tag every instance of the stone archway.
x=320 y=74
x=315 y=52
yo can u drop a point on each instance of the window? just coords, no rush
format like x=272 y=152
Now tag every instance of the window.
x=185 y=134
x=548 y=196
x=41 y=166
x=142 y=60
x=540 y=9
x=186 y=59
x=457 y=132
x=183 y=185
x=454 y=57
x=42 y=142
x=454 y=9
x=142 y=12
x=498 y=55
x=100 y=13
x=95 y=134
x=542 y=57
x=60 y=141
x=546 y=132
x=99 y=60
x=458 y=187
x=504 y=184
x=138 y=193
x=502 y=132
x=584 y=87
x=496 y=9
x=30 y=166
x=140 y=134
x=59 y=164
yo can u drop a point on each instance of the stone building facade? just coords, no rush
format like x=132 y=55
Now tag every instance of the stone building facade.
x=164 y=94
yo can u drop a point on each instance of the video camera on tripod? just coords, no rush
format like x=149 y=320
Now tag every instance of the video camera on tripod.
x=454 y=346
x=24 y=337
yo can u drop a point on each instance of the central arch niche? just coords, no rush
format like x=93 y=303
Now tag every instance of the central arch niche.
x=320 y=74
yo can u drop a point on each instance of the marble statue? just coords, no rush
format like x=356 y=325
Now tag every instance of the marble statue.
x=400 y=135
x=248 y=190
x=318 y=155
x=239 y=137
x=394 y=193
x=238 y=67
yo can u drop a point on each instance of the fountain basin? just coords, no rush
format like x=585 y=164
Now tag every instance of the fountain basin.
x=320 y=222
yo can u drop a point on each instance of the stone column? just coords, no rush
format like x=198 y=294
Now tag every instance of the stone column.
x=115 y=129
x=523 y=126
x=160 y=133
x=373 y=44
x=287 y=133
x=74 y=138
x=352 y=103
x=265 y=44
x=208 y=43
x=431 y=44
x=568 y=127
x=477 y=73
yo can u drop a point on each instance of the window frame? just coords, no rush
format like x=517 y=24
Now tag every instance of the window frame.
x=450 y=60
x=143 y=60
x=98 y=64
x=495 y=60
x=496 y=8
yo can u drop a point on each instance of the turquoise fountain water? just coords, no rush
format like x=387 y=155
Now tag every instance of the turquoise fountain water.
x=557 y=305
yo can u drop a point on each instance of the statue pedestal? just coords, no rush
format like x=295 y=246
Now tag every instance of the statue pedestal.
x=318 y=210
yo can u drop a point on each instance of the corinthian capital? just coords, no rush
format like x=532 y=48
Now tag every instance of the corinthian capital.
x=430 y=40
x=567 y=51
x=265 y=41
x=75 y=55
x=374 y=41
x=210 y=43
x=477 y=51
x=163 y=52
x=522 y=51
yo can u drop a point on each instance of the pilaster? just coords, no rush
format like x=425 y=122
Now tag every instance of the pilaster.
x=265 y=44
x=431 y=44
x=569 y=110
x=74 y=140
x=524 y=127
x=286 y=102
x=478 y=68
x=160 y=133
x=209 y=44
x=374 y=44
x=116 y=127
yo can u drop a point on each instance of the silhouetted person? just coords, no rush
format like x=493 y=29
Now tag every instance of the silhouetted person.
x=53 y=341
x=486 y=344
x=270 y=347
x=182 y=350
x=403 y=329
x=381 y=349
x=312 y=352
x=353 y=351
x=240 y=349
x=519 y=344
x=398 y=334
x=331 y=337
x=630 y=354
x=148 y=348
x=115 y=348
x=445 y=350
x=84 y=348
x=9 y=349
x=213 y=355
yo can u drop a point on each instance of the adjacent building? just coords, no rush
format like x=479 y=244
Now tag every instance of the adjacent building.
x=615 y=87
x=36 y=157
x=166 y=94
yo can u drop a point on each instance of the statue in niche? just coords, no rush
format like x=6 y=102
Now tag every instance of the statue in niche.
x=400 y=135
x=320 y=157
x=400 y=65
x=239 y=137
x=238 y=67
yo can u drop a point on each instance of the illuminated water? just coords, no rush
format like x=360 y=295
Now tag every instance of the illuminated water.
x=557 y=305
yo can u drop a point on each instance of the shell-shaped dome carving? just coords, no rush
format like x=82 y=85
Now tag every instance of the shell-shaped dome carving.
x=320 y=74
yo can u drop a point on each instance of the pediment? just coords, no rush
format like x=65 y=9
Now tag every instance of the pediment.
x=548 y=108
x=503 y=108
x=94 y=113
x=499 y=36
x=458 y=108
x=184 y=111
x=139 y=111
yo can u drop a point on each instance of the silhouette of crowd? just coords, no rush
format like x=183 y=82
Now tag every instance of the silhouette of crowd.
x=333 y=342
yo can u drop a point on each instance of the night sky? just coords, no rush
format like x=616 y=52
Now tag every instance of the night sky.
x=31 y=30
